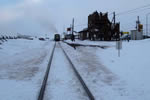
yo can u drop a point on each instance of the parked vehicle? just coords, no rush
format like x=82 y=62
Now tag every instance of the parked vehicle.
x=126 y=37
x=42 y=39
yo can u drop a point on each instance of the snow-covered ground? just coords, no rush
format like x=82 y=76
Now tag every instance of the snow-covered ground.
x=22 y=67
x=133 y=67
x=111 y=77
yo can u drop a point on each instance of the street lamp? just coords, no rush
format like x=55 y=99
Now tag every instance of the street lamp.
x=147 y=23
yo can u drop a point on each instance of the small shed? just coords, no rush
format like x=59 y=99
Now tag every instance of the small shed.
x=136 y=35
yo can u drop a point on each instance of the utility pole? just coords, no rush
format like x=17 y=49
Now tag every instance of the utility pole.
x=114 y=18
x=73 y=26
x=117 y=34
x=137 y=22
x=147 y=23
x=70 y=29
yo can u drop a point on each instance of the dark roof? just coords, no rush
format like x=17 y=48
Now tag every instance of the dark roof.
x=84 y=30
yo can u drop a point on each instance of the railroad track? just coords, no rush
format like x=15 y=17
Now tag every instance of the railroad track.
x=43 y=87
x=83 y=84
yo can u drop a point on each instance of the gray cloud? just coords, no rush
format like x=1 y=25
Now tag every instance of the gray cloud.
x=29 y=16
x=50 y=16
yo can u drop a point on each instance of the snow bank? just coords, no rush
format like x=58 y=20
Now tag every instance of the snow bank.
x=22 y=68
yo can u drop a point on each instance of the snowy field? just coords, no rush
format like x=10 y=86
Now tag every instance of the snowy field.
x=22 y=67
x=111 y=77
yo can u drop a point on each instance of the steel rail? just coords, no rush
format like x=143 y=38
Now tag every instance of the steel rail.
x=90 y=95
x=43 y=87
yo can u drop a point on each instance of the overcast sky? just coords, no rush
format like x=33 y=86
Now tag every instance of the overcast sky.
x=35 y=17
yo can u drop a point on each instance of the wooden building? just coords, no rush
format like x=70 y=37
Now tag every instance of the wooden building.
x=100 y=28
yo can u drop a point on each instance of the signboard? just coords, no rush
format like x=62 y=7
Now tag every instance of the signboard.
x=140 y=27
x=125 y=32
x=119 y=47
x=69 y=29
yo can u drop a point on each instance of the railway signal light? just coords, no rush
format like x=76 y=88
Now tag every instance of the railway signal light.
x=140 y=27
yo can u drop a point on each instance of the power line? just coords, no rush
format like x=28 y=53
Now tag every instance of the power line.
x=133 y=10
